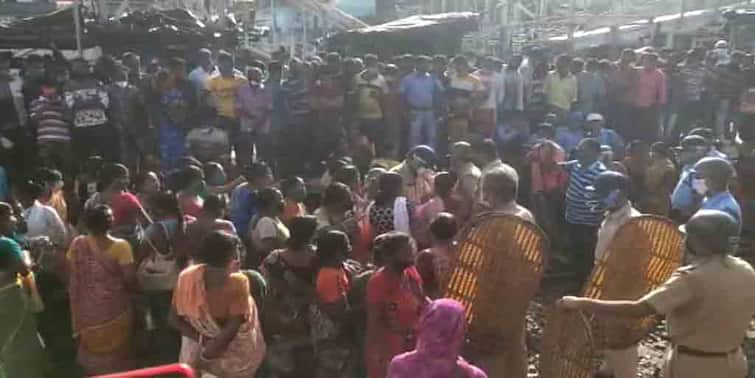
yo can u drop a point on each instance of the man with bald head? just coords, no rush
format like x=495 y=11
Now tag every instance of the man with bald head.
x=711 y=181
x=499 y=192
x=708 y=304
x=500 y=189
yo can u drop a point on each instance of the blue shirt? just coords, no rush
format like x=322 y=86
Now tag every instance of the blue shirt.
x=683 y=198
x=243 y=208
x=419 y=90
x=611 y=138
x=577 y=196
x=568 y=138
x=725 y=202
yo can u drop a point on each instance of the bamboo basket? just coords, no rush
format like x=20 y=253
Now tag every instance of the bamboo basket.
x=496 y=271
x=567 y=347
x=643 y=254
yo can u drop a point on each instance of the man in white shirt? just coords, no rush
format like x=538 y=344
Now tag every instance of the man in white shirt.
x=486 y=113
x=205 y=69
x=513 y=86
x=41 y=220
x=611 y=191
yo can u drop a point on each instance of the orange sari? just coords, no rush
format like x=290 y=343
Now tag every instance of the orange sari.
x=244 y=354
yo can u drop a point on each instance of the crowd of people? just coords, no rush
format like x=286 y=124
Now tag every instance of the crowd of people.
x=300 y=217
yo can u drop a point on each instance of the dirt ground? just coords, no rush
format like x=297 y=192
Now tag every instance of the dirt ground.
x=651 y=349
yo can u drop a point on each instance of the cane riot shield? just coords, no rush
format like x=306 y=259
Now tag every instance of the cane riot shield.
x=644 y=253
x=495 y=273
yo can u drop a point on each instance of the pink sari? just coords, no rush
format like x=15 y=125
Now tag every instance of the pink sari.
x=244 y=354
x=100 y=309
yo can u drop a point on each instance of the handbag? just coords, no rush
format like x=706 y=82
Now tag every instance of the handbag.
x=158 y=272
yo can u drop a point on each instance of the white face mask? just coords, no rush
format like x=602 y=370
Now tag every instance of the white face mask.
x=699 y=186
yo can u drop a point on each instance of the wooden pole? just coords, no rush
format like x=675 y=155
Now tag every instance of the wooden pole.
x=572 y=23
x=77 y=26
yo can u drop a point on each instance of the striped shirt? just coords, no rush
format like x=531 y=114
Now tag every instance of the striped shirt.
x=48 y=115
x=577 y=196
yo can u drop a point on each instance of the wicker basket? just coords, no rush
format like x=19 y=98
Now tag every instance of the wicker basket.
x=642 y=255
x=567 y=347
x=496 y=272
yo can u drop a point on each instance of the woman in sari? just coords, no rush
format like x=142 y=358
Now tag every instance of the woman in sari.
x=391 y=211
x=216 y=314
x=21 y=353
x=193 y=186
x=211 y=218
x=127 y=210
x=440 y=337
x=395 y=300
x=290 y=272
x=268 y=232
x=100 y=278
x=336 y=212
x=331 y=318
x=162 y=257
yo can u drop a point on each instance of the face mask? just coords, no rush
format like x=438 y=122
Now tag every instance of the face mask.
x=699 y=186
x=611 y=201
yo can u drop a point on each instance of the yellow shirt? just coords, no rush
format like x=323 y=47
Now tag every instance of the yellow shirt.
x=223 y=92
x=120 y=250
x=561 y=92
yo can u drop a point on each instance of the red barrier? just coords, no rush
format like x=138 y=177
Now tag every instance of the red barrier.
x=157 y=371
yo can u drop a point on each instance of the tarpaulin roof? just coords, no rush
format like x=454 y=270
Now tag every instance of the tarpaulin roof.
x=427 y=34
x=40 y=31
x=423 y=22
x=152 y=29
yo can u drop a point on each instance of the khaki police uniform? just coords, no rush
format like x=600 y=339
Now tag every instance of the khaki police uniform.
x=708 y=306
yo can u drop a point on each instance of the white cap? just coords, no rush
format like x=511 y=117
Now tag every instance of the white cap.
x=594 y=117
x=722 y=44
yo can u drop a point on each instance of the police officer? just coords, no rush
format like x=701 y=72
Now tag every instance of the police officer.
x=708 y=304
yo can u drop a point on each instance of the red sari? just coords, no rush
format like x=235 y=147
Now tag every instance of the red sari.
x=396 y=301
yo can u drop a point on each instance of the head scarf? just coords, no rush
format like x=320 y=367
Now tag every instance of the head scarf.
x=441 y=335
